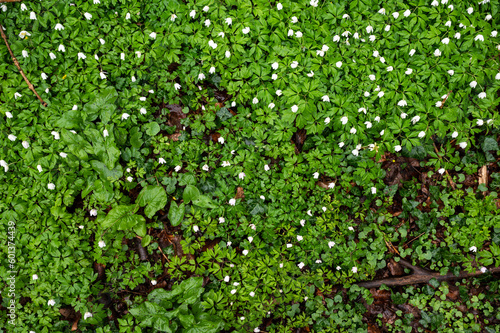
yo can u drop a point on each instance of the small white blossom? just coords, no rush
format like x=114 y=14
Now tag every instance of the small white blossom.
x=355 y=152
x=101 y=244
x=232 y=202
x=51 y=186
x=484 y=269
x=279 y=6
x=299 y=238
x=407 y=13
x=390 y=69
x=343 y=120
x=245 y=30
x=316 y=175
x=266 y=167
x=380 y=94
x=473 y=249
x=482 y=95
x=367 y=94
x=201 y=76
x=295 y=108
x=371 y=77
x=59 y=26
x=130 y=179
x=241 y=175
x=395 y=15
x=301 y=265
x=354 y=269
x=51 y=302
x=421 y=134
x=125 y=116
x=463 y=145
x=437 y=52
x=327 y=120
x=298 y=34
x=312 y=73
x=341 y=144
x=336 y=38
x=374 y=190
x=479 y=37
x=52 y=56
x=479 y=122
x=353 y=131
x=278 y=92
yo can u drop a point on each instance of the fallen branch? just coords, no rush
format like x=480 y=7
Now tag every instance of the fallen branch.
x=421 y=276
x=447 y=173
x=19 y=67
x=2 y=1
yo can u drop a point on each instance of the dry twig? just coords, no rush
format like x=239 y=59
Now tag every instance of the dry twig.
x=2 y=1
x=19 y=67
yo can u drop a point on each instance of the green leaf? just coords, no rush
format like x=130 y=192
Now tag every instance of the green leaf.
x=152 y=128
x=207 y=326
x=105 y=173
x=140 y=228
x=69 y=120
x=190 y=193
x=176 y=213
x=489 y=144
x=122 y=217
x=224 y=114
x=204 y=201
x=186 y=320
x=146 y=240
x=154 y=198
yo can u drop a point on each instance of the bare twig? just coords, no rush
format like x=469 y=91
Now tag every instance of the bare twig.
x=444 y=100
x=422 y=277
x=19 y=67
x=1 y=1
x=447 y=173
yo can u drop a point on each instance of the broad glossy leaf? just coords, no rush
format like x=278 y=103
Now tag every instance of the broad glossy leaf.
x=176 y=213
x=154 y=198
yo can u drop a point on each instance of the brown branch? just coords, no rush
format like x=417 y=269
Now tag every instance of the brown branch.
x=422 y=277
x=444 y=100
x=447 y=173
x=2 y=1
x=19 y=67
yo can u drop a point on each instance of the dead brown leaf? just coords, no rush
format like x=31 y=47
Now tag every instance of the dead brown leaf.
x=239 y=193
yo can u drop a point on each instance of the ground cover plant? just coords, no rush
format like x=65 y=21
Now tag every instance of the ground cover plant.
x=250 y=166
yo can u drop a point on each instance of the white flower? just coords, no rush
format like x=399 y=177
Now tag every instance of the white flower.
x=369 y=29
x=51 y=186
x=473 y=249
x=8 y=114
x=402 y=103
x=395 y=15
x=479 y=37
x=173 y=17
x=448 y=24
x=344 y=120
x=192 y=13
x=212 y=44
x=232 y=202
x=390 y=68
x=143 y=111
x=316 y=175
x=221 y=140
x=371 y=77
x=23 y=7
x=127 y=16
x=473 y=84
x=497 y=77
x=177 y=86
x=201 y=76
x=229 y=21
x=271 y=106
x=382 y=11
x=206 y=8
x=353 y=131
x=125 y=116
x=377 y=89
x=314 y=3
x=103 y=76
x=354 y=269
x=494 y=33
x=435 y=3
x=380 y=94
x=325 y=48
x=93 y=212
x=25 y=144
x=397 y=148
x=225 y=163
x=463 y=145
x=451 y=72
x=51 y=302
x=338 y=64
x=59 y=26
x=294 y=19
x=81 y=56
x=377 y=119
x=279 y=6
x=266 y=167
x=23 y=33
x=372 y=38
x=228 y=54
x=295 y=108
x=479 y=122
x=246 y=30
x=441 y=171
x=241 y=175
x=412 y=52
x=437 y=53
x=367 y=94
x=355 y=152
x=454 y=135
x=438 y=104
x=278 y=92
x=382 y=60
x=34 y=277
x=298 y=34
x=356 y=36
x=341 y=144
x=245 y=252
x=421 y=134
x=196 y=228
x=482 y=95
x=161 y=160
x=368 y=124
x=336 y=38
x=408 y=71
x=299 y=238
x=374 y=190
x=320 y=53
x=407 y=13
x=233 y=291
x=415 y=119
x=63 y=155
x=470 y=10
x=24 y=53
x=138 y=53
x=255 y=100
x=101 y=244
x=327 y=120
x=387 y=28
x=312 y=74
x=301 y=265
x=294 y=64
x=130 y=179
x=39 y=167
x=52 y=55
x=88 y=16
x=178 y=168
x=484 y=269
